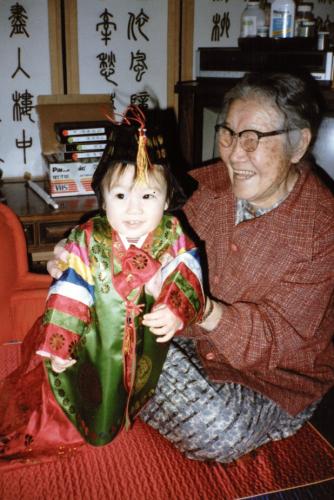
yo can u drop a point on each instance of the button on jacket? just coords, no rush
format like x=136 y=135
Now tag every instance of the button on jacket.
x=275 y=278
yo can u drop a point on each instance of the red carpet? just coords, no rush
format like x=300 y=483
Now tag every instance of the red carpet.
x=141 y=465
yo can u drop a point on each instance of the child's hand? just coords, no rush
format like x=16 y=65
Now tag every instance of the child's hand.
x=162 y=322
x=59 y=365
x=58 y=264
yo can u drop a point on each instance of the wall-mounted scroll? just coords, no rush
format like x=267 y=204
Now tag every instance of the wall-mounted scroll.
x=123 y=51
x=217 y=22
x=25 y=73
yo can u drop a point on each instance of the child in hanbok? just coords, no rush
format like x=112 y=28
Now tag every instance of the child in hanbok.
x=132 y=280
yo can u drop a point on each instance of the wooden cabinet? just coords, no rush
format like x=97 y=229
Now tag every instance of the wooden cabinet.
x=43 y=225
x=194 y=97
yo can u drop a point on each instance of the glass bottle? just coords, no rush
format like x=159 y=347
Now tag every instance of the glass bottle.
x=305 y=22
x=252 y=19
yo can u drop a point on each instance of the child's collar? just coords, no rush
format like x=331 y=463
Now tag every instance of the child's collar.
x=127 y=242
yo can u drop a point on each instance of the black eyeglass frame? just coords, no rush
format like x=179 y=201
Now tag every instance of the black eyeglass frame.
x=256 y=132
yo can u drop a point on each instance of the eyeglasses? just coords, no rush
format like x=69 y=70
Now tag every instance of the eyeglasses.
x=249 y=139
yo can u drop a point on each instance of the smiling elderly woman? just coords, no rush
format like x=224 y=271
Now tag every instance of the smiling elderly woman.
x=263 y=356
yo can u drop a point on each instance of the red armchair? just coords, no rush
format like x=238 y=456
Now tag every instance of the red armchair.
x=22 y=293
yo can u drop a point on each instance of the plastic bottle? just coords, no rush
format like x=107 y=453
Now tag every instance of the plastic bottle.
x=304 y=21
x=282 y=19
x=252 y=19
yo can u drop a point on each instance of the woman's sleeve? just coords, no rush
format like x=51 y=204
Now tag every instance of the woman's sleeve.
x=70 y=299
x=297 y=313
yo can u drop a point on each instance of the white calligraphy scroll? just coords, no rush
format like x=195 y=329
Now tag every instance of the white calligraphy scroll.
x=122 y=50
x=25 y=73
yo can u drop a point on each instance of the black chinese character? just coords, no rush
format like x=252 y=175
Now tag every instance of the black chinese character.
x=225 y=25
x=215 y=33
x=22 y=105
x=138 y=64
x=105 y=26
x=107 y=65
x=139 y=20
x=18 y=20
x=24 y=144
x=19 y=67
x=140 y=99
x=220 y=25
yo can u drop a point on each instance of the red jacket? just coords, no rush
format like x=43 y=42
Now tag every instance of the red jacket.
x=275 y=276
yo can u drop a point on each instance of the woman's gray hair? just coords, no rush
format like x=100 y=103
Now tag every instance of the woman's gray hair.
x=297 y=99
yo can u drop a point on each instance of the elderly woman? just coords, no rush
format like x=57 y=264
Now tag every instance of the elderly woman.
x=260 y=361
x=263 y=356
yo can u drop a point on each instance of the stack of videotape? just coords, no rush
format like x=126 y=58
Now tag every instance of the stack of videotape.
x=81 y=147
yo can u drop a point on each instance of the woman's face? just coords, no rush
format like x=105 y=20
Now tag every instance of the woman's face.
x=265 y=175
x=135 y=209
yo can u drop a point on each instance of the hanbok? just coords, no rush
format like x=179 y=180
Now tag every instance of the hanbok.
x=94 y=315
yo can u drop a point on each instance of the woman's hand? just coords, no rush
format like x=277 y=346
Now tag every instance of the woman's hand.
x=212 y=314
x=163 y=323
x=58 y=264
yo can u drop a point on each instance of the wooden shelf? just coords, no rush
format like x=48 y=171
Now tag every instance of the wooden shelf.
x=43 y=226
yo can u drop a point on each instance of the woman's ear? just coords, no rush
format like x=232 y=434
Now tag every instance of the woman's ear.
x=302 y=145
x=166 y=205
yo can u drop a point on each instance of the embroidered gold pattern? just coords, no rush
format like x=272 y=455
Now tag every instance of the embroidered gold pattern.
x=140 y=261
x=143 y=373
x=57 y=341
x=175 y=298
x=72 y=349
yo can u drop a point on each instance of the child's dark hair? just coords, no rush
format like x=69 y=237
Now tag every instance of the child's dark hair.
x=122 y=150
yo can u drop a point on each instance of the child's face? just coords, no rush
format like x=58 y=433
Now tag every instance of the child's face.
x=135 y=209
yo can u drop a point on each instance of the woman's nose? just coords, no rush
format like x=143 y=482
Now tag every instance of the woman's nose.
x=236 y=150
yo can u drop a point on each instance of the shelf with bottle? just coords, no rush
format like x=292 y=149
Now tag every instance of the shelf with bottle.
x=281 y=44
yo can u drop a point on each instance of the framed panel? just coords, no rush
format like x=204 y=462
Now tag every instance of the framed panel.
x=25 y=73
x=187 y=39
x=128 y=49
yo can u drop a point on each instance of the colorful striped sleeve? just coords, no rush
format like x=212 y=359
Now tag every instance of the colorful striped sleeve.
x=182 y=288
x=68 y=307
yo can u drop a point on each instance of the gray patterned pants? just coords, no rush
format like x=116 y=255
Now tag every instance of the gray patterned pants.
x=210 y=421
